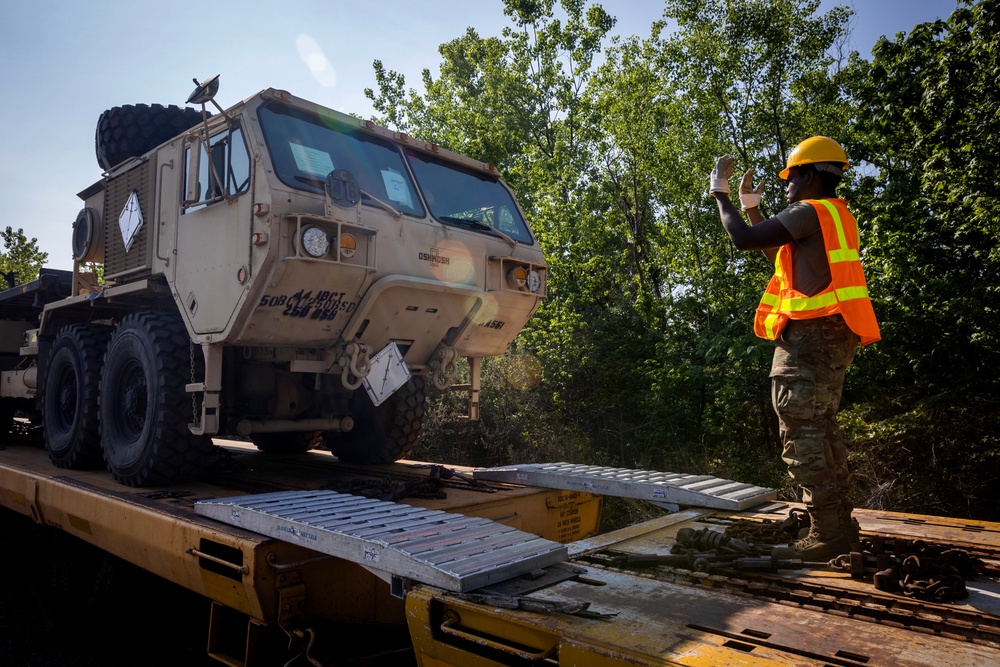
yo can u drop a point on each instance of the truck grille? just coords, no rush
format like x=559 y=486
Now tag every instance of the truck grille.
x=118 y=264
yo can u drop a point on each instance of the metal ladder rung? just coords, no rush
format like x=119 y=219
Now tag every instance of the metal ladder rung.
x=407 y=523
x=747 y=491
x=450 y=553
x=426 y=546
x=372 y=515
x=405 y=536
x=287 y=509
x=358 y=509
x=485 y=561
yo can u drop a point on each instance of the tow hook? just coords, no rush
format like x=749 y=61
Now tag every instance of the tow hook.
x=443 y=369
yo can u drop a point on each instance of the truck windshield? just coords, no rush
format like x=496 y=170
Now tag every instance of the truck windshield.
x=467 y=198
x=305 y=147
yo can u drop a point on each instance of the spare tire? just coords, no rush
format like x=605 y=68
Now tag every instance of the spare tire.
x=135 y=129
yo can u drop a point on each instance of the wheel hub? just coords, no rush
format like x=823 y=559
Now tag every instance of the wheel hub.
x=67 y=398
x=135 y=403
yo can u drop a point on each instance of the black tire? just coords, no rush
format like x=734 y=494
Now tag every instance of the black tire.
x=135 y=129
x=385 y=433
x=144 y=409
x=69 y=397
x=287 y=443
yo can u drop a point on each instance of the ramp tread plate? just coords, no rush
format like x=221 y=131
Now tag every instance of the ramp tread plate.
x=689 y=490
x=451 y=551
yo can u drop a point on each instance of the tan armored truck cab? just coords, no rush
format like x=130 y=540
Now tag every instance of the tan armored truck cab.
x=278 y=271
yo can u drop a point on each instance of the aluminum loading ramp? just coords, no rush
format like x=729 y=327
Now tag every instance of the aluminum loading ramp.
x=657 y=487
x=450 y=551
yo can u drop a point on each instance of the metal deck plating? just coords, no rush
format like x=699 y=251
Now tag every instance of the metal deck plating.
x=662 y=487
x=451 y=551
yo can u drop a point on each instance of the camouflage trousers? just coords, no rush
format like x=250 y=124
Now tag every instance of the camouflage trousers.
x=807 y=377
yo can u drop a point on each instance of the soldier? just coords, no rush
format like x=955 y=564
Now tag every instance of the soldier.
x=816 y=309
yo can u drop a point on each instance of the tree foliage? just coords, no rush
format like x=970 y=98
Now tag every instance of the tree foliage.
x=21 y=259
x=927 y=125
x=645 y=342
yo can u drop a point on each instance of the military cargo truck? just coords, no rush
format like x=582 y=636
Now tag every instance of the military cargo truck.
x=276 y=271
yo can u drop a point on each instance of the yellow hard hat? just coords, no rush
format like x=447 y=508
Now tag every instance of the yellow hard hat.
x=814 y=150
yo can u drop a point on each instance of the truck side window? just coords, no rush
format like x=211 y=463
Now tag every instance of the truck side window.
x=228 y=172
x=238 y=178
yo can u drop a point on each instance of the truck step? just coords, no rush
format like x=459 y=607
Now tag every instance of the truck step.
x=657 y=487
x=450 y=551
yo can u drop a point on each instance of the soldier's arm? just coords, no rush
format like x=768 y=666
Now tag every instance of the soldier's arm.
x=766 y=235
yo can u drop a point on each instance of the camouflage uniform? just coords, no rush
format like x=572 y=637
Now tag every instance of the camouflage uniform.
x=810 y=358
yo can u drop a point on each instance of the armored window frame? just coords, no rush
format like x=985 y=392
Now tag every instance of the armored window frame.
x=229 y=154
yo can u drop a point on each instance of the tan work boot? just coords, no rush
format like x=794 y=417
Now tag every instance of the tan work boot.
x=826 y=538
x=850 y=526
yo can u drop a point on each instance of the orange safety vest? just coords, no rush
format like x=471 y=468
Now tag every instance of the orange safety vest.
x=847 y=293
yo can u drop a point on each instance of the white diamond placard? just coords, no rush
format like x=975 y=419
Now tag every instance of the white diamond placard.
x=130 y=219
x=388 y=373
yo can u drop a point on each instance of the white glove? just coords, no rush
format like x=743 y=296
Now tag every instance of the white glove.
x=719 y=181
x=749 y=195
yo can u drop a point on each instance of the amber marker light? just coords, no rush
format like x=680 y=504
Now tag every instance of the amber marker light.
x=348 y=245
x=518 y=277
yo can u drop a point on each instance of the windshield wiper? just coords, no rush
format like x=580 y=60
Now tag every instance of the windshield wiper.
x=396 y=214
x=319 y=183
x=476 y=224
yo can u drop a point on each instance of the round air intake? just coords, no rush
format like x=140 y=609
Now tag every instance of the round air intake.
x=88 y=236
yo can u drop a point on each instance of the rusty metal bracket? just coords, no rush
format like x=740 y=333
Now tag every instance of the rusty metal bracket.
x=291 y=593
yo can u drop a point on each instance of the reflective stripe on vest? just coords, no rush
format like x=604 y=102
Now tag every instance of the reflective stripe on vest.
x=821 y=300
x=846 y=295
x=843 y=253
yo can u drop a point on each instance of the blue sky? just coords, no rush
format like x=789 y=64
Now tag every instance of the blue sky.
x=63 y=62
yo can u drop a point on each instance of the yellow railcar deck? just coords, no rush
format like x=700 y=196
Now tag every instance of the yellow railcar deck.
x=649 y=615
x=660 y=615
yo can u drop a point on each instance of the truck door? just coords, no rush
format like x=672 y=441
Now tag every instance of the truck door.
x=213 y=230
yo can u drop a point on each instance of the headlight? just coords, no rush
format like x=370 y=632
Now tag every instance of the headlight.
x=315 y=242
x=534 y=281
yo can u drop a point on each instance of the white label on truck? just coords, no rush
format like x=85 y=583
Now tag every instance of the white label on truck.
x=311 y=161
x=396 y=187
x=130 y=219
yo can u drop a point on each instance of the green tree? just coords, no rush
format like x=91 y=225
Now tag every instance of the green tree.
x=745 y=77
x=646 y=338
x=21 y=259
x=926 y=129
x=645 y=341
x=518 y=101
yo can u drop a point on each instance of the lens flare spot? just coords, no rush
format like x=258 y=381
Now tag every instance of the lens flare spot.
x=452 y=263
x=524 y=371
x=487 y=311
x=319 y=65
